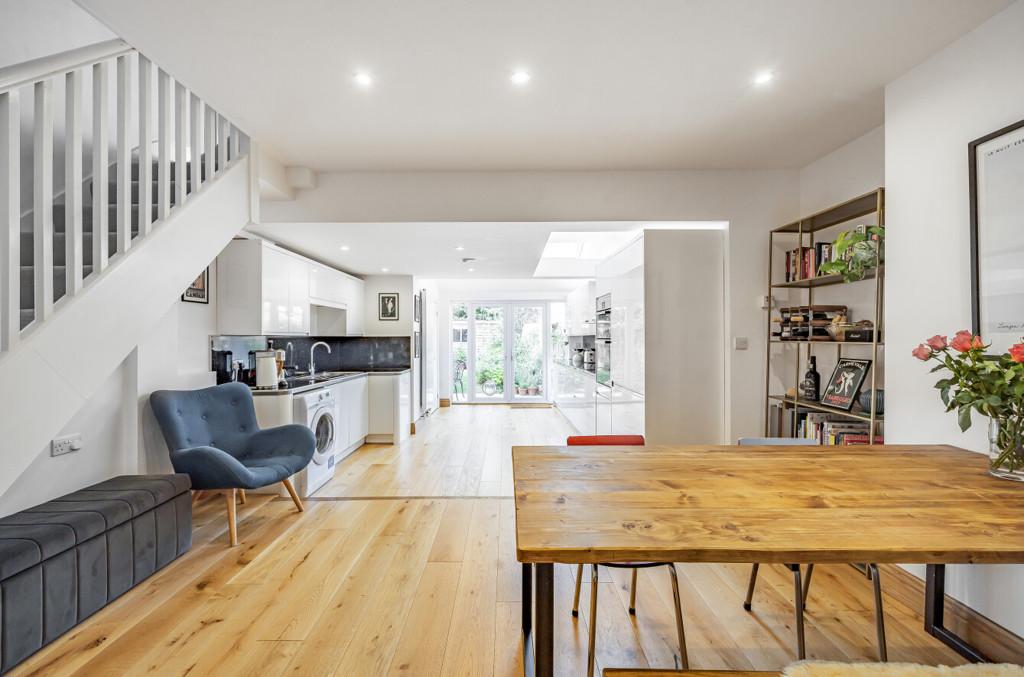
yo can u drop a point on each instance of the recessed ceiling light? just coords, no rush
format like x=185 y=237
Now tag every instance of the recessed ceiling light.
x=471 y=269
x=459 y=248
x=519 y=77
x=344 y=247
x=363 y=79
x=384 y=270
x=764 y=77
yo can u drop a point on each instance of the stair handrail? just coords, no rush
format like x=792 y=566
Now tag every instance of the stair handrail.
x=34 y=70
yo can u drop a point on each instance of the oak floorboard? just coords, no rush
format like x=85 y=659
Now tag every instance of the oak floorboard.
x=370 y=581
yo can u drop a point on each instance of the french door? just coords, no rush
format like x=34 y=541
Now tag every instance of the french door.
x=499 y=352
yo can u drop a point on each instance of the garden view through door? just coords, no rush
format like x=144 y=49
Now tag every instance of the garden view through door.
x=498 y=352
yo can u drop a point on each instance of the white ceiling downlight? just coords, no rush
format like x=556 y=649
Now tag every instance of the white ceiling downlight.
x=344 y=247
x=363 y=79
x=763 y=78
x=520 y=77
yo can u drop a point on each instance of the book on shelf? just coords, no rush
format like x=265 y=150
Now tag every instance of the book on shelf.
x=804 y=262
x=832 y=430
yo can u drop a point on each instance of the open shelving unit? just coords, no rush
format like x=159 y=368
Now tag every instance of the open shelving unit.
x=798 y=235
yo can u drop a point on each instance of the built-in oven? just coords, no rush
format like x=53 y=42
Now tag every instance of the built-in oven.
x=603 y=340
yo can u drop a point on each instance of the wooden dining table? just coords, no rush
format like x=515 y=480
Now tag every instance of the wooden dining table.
x=924 y=504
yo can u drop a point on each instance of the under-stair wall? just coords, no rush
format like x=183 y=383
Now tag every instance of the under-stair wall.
x=153 y=192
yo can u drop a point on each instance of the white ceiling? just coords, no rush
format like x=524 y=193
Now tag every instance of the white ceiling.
x=616 y=84
x=501 y=250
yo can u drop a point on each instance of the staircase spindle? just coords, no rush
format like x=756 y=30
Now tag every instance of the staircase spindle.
x=196 y=161
x=222 y=142
x=10 y=219
x=165 y=131
x=124 y=156
x=211 y=142
x=181 y=101
x=145 y=160
x=100 y=165
x=73 y=181
x=42 y=203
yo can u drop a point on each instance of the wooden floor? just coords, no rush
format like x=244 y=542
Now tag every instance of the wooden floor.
x=405 y=565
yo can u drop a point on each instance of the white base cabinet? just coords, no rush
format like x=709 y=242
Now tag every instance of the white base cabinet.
x=390 y=416
x=574 y=396
x=352 y=398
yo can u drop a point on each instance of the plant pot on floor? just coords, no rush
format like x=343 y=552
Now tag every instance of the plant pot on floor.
x=532 y=391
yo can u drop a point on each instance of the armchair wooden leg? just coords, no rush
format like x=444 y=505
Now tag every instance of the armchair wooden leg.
x=241 y=496
x=291 y=492
x=196 y=495
x=229 y=495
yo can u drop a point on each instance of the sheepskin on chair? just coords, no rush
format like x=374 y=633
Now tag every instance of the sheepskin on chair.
x=816 y=669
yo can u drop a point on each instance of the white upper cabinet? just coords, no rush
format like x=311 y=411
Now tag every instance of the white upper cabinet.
x=580 y=309
x=265 y=290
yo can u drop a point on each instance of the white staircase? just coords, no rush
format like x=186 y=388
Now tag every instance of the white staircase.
x=153 y=190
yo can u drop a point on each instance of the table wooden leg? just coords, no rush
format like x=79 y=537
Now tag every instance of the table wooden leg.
x=934 y=608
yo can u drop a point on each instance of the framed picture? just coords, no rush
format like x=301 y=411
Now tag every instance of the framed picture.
x=416 y=343
x=387 y=306
x=199 y=290
x=844 y=384
x=417 y=308
x=996 y=175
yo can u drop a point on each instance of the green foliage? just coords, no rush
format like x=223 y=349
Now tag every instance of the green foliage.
x=490 y=364
x=854 y=253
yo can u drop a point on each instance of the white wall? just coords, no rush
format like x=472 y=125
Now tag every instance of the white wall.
x=969 y=89
x=751 y=201
x=30 y=29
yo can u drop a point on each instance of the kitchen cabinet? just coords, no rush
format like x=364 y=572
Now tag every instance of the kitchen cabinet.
x=603 y=411
x=353 y=422
x=335 y=289
x=390 y=415
x=580 y=308
x=627 y=412
x=261 y=290
x=574 y=396
x=624 y=272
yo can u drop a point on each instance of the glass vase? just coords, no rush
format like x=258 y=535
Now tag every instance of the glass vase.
x=1006 y=448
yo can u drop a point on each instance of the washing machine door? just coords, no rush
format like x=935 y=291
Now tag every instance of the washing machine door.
x=323 y=427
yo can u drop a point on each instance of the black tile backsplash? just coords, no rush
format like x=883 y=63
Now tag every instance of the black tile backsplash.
x=348 y=353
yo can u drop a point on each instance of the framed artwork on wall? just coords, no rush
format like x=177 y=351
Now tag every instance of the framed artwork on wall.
x=417 y=307
x=387 y=306
x=199 y=290
x=844 y=384
x=996 y=175
x=417 y=344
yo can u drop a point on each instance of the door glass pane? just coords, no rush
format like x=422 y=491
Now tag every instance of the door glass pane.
x=528 y=350
x=489 y=343
x=460 y=351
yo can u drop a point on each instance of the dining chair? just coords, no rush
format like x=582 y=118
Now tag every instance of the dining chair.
x=801 y=588
x=621 y=440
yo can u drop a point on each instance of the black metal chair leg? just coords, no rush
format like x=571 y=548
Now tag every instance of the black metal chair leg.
x=591 y=652
x=576 y=597
x=798 y=594
x=750 y=587
x=632 y=594
x=876 y=580
x=683 y=659
x=807 y=583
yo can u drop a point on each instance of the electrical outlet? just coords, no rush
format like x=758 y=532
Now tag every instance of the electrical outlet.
x=65 y=445
x=740 y=343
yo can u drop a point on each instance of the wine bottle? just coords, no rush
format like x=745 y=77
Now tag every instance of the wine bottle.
x=811 y=385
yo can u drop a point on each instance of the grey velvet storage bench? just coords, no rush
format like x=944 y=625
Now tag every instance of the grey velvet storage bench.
x=66 y=559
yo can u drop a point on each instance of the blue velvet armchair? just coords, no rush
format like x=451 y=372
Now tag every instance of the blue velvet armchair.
x=213 y=436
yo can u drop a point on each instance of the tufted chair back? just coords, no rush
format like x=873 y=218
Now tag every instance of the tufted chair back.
x=222 y=416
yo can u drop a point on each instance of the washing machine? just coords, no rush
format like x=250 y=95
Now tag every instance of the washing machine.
x=317 y=409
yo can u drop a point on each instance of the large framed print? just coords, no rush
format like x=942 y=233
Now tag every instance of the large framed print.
x=844 y=384
x=996 y=174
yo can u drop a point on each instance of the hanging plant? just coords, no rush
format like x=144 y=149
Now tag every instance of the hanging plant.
x=855 y=252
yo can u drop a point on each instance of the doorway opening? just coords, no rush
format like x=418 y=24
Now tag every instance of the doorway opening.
x=499 y=352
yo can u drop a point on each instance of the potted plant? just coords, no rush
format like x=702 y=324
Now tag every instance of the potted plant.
x=855 y=252
x=991 y=385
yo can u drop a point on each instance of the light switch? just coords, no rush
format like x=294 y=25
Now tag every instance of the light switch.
x=740 y=342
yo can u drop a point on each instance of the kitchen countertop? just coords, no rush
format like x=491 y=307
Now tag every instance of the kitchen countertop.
x=590 y=372
x=301 y=384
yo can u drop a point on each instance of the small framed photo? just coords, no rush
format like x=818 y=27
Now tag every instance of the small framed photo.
x=199 y=290
x=387 y=306
x=845 y=382
x=417 y=343
x=417 y=307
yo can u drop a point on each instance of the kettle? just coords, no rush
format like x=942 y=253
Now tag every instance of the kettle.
x=588 y=356
x=266 y=369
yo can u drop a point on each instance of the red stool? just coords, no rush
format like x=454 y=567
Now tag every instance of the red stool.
x=620 y=440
